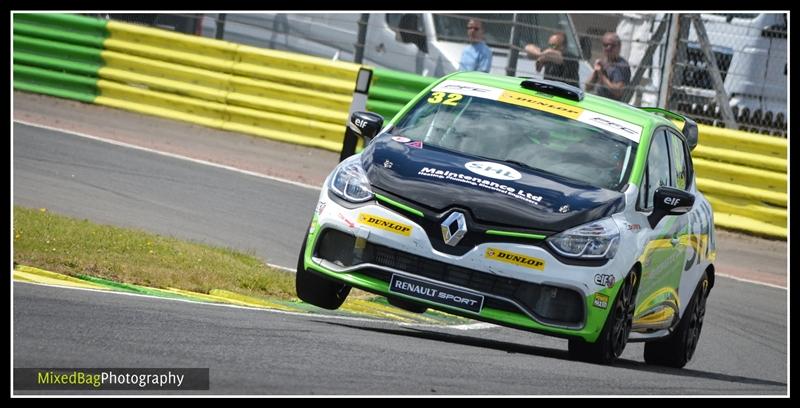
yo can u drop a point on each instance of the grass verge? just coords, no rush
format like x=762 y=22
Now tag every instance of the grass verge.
x=79 y=247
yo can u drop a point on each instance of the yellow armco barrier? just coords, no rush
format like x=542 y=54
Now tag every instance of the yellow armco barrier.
x=743 y=141
x=274 y=94
x=744 y=176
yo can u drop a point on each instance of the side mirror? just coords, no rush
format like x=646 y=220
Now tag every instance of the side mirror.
x=669 y=201
x=691 y=132
x=365 y=125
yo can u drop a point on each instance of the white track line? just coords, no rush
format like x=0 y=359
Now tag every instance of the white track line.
x=278 y=179
x=475 y=326
x=750 y=281
x=173 y=155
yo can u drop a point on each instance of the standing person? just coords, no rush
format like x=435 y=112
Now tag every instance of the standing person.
x=477 y=56
x=556 y=66
x=611 y=73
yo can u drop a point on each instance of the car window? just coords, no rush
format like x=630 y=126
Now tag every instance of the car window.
x=657 y=173
x=529 y=137
x=678 y=157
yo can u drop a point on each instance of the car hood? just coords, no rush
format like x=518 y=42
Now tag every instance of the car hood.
x=440 y=179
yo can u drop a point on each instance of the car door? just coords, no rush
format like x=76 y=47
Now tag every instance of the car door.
x=663 y=258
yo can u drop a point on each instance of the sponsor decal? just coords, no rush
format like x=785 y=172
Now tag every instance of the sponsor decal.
x=600 y=300
x=620 y=127
x=514 y=258
x=474 y=181
x=617 y=126
x=388 y=164
x=349 y=223
x=564 y=209
x=417 y=144
x=634 y=227
x=401 y=139
x=320 y=207
x=384 y=224
x=436 y=293
x=542 y=104
x=493 y=170
x=604 y=280
x=469 y=89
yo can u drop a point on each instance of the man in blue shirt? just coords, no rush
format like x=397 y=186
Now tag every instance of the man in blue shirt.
x=477 y=56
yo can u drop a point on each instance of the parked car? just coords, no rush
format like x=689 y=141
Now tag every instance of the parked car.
x=524 y=203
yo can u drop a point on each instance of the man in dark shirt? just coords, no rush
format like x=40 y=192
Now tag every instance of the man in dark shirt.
x=557 y=67
x=611 y=73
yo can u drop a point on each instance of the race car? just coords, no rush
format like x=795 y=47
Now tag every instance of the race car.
x=524 y=203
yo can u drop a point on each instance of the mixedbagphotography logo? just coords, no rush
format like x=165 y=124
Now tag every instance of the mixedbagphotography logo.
x=111 y=379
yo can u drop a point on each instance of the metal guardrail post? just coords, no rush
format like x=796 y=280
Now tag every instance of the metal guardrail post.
x=669 y=60
x=362 y=38
x=716 y=78
x=220 y=26
x=513 y=53
x=359 y=103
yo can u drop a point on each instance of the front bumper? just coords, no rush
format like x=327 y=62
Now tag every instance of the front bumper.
x=373 y=243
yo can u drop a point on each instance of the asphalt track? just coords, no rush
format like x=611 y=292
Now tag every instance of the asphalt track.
x=743 y=349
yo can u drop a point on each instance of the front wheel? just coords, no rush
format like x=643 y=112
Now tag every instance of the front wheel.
x=617 y=329
x=317 y=290
x=677 y=349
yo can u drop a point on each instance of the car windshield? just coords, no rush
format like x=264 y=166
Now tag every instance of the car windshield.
x=520 y=135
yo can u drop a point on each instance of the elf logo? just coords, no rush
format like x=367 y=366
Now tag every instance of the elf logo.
x=514 y=258
x=384 y=224
x=672 y=201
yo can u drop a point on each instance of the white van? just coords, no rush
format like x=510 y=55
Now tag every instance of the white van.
x=423 y=43
x=751 y=54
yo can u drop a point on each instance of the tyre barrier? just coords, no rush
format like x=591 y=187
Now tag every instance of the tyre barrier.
x=274 y=94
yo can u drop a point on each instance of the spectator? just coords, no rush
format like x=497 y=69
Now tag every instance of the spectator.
x=556 y=66
x=611 y=73
x=477 y=56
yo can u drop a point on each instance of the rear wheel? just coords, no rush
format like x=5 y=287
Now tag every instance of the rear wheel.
x=677 y=349
x=617 y=329
x=317 y=290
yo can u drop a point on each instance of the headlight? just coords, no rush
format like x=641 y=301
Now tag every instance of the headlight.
x=350 y=182
x=598 y=239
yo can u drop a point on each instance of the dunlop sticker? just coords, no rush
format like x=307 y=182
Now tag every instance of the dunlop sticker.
x=384 y=224
x=542 y=104
x=514 y=258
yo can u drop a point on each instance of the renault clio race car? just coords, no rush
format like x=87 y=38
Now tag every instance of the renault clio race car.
x=527 y=204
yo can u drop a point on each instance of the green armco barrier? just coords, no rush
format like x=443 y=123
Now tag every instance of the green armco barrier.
x=391 y=90
x=385 y=109
x=62 y=85
x=88 y=29
x=56 y=49
x=401 y=80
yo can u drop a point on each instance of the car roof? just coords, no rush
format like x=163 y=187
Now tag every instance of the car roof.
x=590 y=102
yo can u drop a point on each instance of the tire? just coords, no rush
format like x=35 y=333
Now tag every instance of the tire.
x=677 y=349
x=614 y=336
x=318 y=290
x=406 y=305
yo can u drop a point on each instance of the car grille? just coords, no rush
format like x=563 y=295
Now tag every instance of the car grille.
x=549 y=304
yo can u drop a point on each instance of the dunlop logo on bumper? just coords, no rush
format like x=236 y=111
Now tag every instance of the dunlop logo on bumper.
x=514 y=258
x=384 y=224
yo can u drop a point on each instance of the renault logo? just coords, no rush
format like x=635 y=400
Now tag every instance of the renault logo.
x=454 y=228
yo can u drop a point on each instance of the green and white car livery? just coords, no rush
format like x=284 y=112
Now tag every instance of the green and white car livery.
x=527 y=204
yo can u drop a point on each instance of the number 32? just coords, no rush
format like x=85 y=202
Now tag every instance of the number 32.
x=445 y=99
